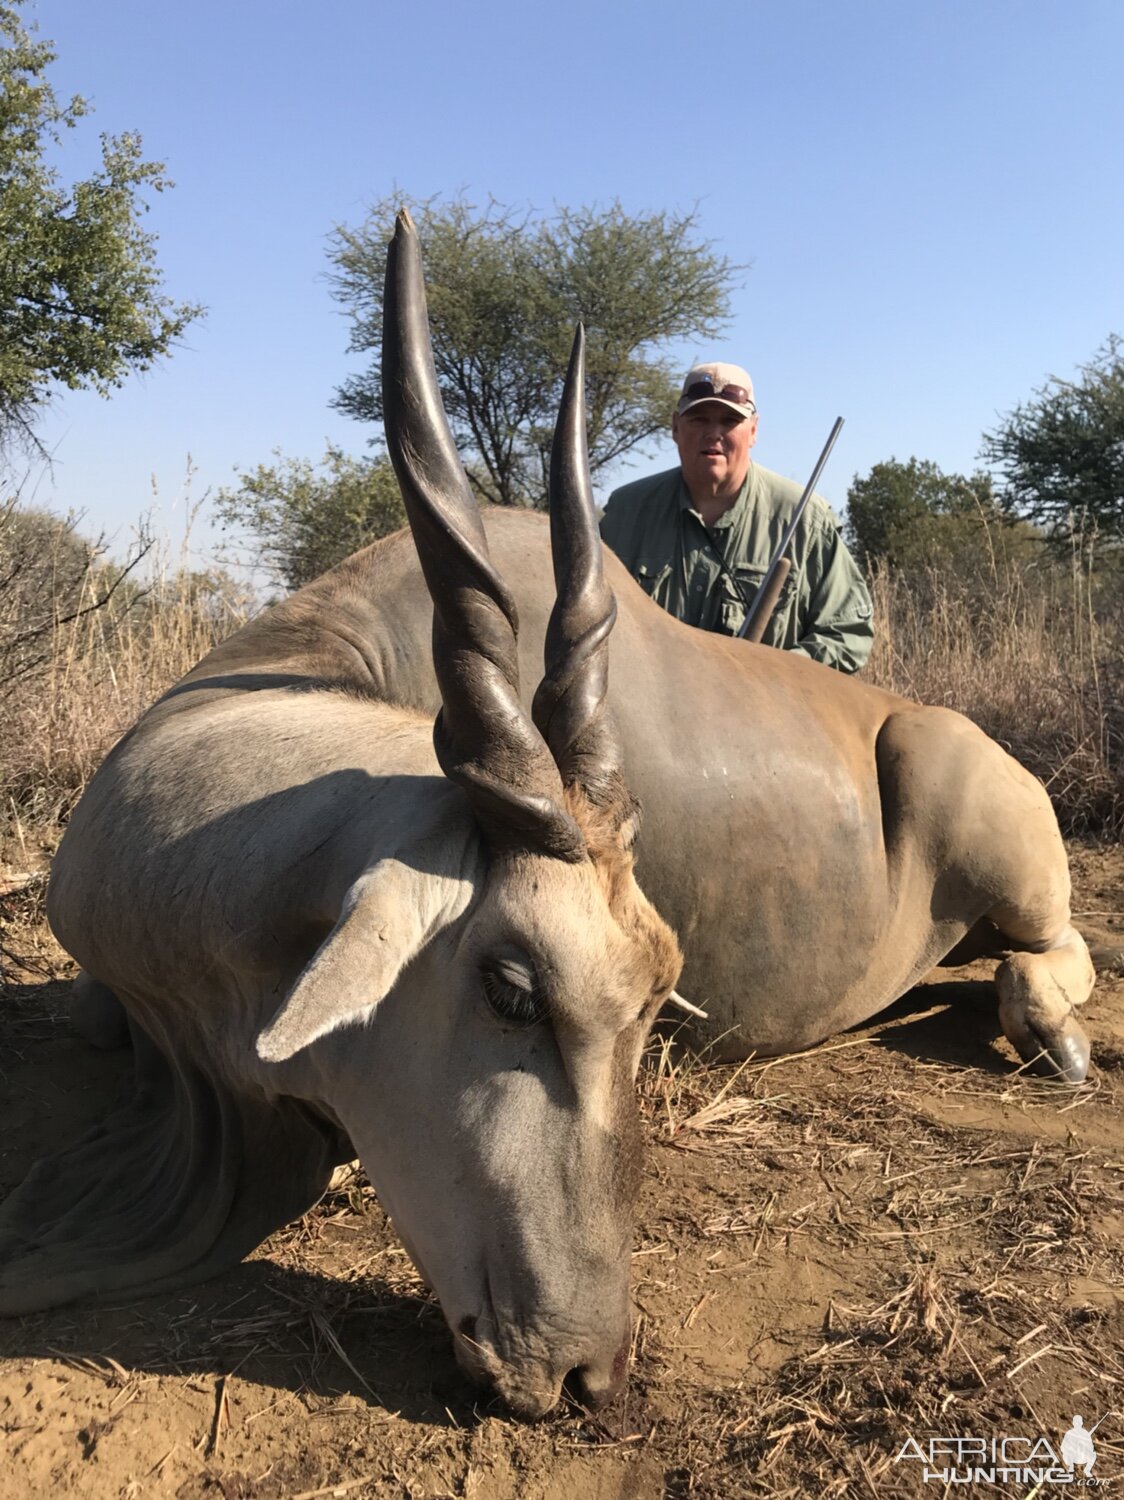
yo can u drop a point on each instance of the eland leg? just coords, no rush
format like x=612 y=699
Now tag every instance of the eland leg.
x=1039 y=988
x=1018 y=861
x=96 y=1014
x=993 y=839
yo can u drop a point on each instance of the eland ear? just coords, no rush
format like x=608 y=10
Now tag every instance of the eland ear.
x=388 y=916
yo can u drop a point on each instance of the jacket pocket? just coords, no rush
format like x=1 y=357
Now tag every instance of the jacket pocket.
x=750 y=577
x=650 y=573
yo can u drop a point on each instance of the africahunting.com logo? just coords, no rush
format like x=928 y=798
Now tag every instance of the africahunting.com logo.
x=1006 y=1460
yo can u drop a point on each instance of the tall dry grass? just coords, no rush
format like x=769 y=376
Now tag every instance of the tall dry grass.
x=99 y=669
x=1032 y=649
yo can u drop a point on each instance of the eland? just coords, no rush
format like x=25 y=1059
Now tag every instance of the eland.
x=324 y=943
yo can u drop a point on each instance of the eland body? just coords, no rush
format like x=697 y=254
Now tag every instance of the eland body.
x=816 y=843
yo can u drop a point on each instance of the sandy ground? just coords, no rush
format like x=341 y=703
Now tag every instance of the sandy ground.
x=895 y=1236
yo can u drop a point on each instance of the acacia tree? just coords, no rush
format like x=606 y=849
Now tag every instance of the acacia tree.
x=1061 y=454
x=505 y=291
x=80 y=292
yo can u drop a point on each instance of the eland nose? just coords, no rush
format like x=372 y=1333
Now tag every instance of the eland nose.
x=598 y=1382
x=531 y=1388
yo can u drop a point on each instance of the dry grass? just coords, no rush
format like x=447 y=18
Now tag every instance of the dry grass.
x=992 y=1260
x=85 y=648
x=97 y=671
x=945 y=1353
x=102 y=674
x=1033 y=652
x=1030 y=650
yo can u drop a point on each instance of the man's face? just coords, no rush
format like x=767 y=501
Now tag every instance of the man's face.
x=714 y=444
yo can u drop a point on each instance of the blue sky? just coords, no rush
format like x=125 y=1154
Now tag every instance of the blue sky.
x=929 y=196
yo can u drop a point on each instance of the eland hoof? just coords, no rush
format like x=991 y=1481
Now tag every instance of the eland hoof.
x=1063 y=1056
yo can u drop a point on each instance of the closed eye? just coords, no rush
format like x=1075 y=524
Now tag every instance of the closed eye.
x=512 y=993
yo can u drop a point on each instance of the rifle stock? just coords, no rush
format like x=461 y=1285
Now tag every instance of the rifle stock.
x=765 y=601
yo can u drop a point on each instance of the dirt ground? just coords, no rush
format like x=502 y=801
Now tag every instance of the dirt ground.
x=895 y=1236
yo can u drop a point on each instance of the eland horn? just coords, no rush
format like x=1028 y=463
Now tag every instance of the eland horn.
x=485 y=741
x=569 y=706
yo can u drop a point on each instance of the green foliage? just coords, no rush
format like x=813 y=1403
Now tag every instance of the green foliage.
x=913 y=514
x=505 y=291
x=80 y=292
x=1061 y=454
x=307 y=519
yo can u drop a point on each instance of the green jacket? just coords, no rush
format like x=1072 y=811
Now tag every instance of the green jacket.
x=824 y=610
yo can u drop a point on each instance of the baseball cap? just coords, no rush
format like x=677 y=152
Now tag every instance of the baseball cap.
x=728 y=384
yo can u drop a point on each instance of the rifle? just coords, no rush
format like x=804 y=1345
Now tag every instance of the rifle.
x=765 y=600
